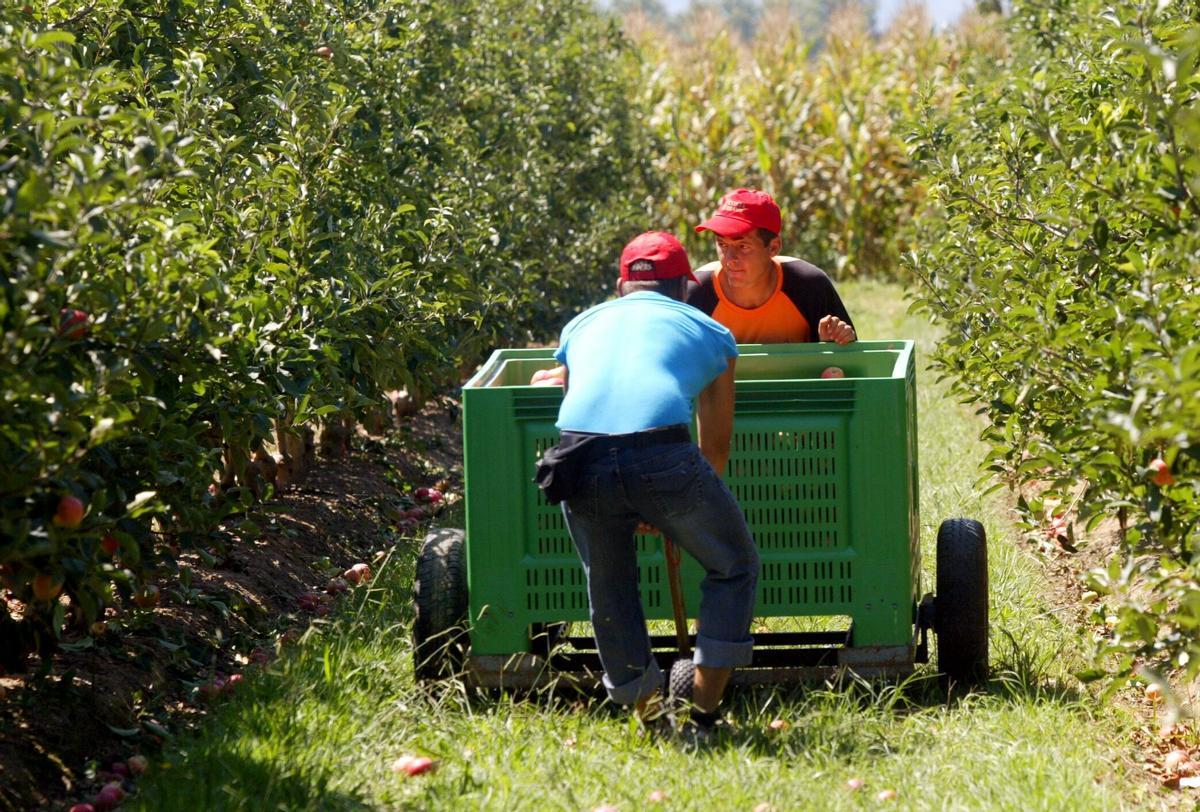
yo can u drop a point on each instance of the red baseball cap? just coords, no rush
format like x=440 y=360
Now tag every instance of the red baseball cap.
x=655 y=255
x=741 y=211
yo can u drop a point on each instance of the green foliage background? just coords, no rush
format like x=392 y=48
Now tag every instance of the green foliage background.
x=1063 y=257
x=260 y=231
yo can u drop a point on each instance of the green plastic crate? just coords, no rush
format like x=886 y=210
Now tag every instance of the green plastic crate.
x=824 y=469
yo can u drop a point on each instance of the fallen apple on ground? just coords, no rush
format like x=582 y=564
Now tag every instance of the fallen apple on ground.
x=413 y=765
x=1174 y=759
x=211 y=690
x=833 y=372
x=109 y=797
x=429 y=495
x=146 y=597
x=854 y=784
x=360 y=573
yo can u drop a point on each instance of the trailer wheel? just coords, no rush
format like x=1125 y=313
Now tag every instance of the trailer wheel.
x=680 y=682
x=961 y=604
x=439 y=630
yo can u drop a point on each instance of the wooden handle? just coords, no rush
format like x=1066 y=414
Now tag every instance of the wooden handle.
x=671 y=553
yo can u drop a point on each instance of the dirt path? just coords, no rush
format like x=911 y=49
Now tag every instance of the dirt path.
x=101 y=699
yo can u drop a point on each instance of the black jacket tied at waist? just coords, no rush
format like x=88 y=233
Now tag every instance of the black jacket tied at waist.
x=559 y=469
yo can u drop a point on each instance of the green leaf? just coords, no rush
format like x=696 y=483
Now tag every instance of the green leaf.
x=125 y=732
x=46 y=39
x=142 y=503
x=32 y=195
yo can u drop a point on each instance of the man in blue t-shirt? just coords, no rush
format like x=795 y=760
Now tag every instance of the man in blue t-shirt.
x=633 y=368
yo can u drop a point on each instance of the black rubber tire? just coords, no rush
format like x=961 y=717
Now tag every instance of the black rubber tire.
x=681 y=681
x=440 y=637
x=961 y=602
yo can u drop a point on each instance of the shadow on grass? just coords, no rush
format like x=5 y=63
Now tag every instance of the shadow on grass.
x=1019 y=674
x=222 y=780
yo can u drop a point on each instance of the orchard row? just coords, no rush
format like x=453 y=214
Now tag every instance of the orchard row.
x=228 y=225
x=1065 y=271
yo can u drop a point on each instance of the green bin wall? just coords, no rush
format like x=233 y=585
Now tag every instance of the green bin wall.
x=824 y=469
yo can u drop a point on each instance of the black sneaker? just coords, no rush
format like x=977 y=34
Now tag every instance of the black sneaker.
x=698 y=729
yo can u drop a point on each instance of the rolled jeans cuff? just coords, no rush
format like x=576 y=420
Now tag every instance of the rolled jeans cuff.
x=630 y=693
x=712 y=653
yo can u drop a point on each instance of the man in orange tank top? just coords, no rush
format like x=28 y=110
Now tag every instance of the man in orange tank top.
x=761 y=297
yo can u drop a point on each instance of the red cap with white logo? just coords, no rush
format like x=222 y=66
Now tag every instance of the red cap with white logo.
x=742 y=211
x=655 y=255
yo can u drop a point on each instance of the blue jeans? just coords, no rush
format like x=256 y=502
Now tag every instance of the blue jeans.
x=673 y=488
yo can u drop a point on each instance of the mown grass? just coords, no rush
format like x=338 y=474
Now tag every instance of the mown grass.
x=320 y=727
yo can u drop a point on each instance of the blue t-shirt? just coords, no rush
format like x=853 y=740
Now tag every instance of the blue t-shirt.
x=637 y=363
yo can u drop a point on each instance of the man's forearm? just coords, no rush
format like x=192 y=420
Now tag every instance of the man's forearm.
x=714 y=417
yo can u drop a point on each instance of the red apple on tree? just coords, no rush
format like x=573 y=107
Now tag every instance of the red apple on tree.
x=1162 y=472
x=72 y=323
x=46 y=587
x=110 y=545
x=69 y=513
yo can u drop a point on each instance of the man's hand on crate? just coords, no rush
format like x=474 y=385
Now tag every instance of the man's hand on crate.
x=549 y=377
x=834 y=329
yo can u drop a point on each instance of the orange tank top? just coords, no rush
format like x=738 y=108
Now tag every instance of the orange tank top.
x=775 y=321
